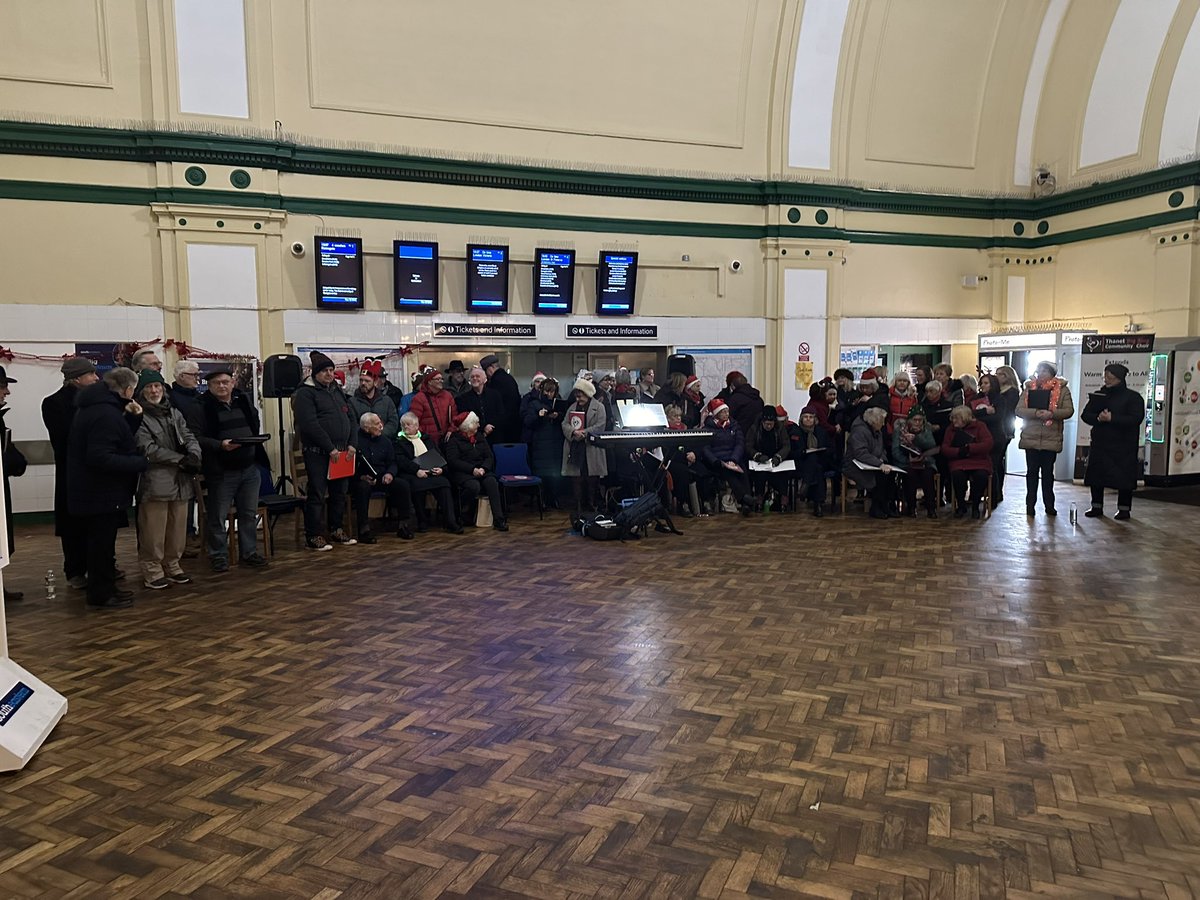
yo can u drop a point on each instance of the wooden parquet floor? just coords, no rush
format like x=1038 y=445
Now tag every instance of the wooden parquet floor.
x=778 y=707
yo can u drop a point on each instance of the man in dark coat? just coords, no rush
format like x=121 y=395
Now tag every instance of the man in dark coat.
x=231 y=469
x=508 y=427
x=58 y=412
x=745 y=402
x=327 y=429
x=488 y=406
x=14 y=467
x=103 y=464
x=1116 y=415
x=376 y=472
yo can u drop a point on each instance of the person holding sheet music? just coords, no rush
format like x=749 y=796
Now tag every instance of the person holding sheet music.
x=914 y=449
x=988 y=407
x=811 y=452
x=422 y=466
x=376 y=470
x=1116 y=415
x=585 y=464
x=726 y=455
x=866 y=462
x=221 y=420
x=327 y=430
x=1045 y=404
x=937 y=408
x=967 y=447
x=770 y=444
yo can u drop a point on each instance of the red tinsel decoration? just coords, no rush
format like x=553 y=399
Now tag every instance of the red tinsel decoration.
x=123 y=353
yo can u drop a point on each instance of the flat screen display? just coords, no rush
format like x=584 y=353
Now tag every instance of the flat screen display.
x=553 y=281
x=487 y=278
x=616 y=281
x=339 y=273
x=415 y=270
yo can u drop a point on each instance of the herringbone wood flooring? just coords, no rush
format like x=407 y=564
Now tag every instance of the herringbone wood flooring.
x=776 y=708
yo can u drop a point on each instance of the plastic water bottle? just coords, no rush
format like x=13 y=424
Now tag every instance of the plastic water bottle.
x=1074 y=513
x=51 y=587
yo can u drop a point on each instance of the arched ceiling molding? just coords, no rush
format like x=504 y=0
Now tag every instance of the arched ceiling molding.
x=1181 y=118
x=1034 y=82
x=1112 y=125
x=814 y=83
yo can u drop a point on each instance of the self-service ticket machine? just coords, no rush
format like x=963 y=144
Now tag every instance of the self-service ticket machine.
x=1023 y=351
x=1173 y=420
x=29 y=708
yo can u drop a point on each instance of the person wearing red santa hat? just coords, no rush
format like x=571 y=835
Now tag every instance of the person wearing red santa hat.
x=472 y=467
x=726 y=455
x=371 y=398
x=869 y=395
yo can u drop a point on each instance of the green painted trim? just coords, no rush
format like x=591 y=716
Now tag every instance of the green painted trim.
x=155 y=146
x=318 y=206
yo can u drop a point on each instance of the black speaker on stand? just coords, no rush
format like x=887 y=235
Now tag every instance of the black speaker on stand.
x=282 y=374
x=684 y=363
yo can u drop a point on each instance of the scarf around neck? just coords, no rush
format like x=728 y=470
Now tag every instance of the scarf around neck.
x=1054 y=386
x=418 y=444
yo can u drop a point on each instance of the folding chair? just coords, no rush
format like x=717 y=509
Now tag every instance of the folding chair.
x=513 y=472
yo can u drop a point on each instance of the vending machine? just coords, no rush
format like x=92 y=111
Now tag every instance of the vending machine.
x=1173 y=422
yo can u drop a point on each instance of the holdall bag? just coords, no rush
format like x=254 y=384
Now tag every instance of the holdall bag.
x=600 y=528
x=645 y=510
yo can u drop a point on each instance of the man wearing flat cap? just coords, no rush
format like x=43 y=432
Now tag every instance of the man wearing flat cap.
x=58 y=412
x=499 y=382
x=14 y=467
x=231 y=469
x=456 y=378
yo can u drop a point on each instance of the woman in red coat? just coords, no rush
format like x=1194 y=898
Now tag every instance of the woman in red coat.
x=967 y=448
x=434 y=407
x=901 y=399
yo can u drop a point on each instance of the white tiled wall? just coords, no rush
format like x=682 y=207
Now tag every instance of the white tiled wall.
x=37 y=322
x=53 y=331
x=317 y=328
x=913 y=331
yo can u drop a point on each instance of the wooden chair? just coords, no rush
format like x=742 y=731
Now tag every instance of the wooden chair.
x=262 y=517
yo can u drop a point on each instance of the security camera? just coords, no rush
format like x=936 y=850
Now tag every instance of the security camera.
x=735 y=265
x=298 y=249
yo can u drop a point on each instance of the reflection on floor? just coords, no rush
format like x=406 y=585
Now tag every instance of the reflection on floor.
x=772 y=707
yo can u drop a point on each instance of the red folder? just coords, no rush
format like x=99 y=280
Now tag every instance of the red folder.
x=343 y=468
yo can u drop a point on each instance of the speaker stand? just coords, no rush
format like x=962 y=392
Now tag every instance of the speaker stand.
x=283 y=479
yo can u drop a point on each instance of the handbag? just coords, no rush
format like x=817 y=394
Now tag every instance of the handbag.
x=483 y=513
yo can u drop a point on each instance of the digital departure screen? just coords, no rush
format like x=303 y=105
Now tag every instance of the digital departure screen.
x=487 y=278
x=339 y=273
x=553 y=281
x=415 y=271
x=616 y=281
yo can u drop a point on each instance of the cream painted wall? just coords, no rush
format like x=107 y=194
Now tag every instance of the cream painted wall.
x=913 y=281
x=928 y=94
x=78 y=254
